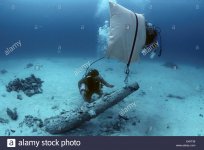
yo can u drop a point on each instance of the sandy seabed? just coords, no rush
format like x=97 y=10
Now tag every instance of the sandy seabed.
x=170 y=101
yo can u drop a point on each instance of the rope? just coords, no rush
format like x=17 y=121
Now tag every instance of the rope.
x=127 y=71
x=93 y=63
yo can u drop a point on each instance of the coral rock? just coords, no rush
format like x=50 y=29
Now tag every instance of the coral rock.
x=30 y=86
x=12 y=113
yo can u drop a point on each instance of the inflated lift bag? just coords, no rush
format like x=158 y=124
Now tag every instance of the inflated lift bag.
x=123 y=24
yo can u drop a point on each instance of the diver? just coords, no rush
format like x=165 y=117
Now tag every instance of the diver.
x=92 y=83
x=151 y=44
x=151 y=33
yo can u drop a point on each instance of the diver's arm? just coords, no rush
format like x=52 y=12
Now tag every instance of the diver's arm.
x=106 y=83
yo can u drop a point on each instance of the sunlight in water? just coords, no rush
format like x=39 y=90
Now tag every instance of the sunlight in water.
x=103 y=4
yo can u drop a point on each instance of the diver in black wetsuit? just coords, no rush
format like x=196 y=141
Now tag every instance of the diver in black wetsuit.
x=152 y=43
x=151 y=34
x=92 y=83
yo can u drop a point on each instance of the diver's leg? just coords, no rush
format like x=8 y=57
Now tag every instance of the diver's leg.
x=100 y=93
x=88 y=97
x=85 y=93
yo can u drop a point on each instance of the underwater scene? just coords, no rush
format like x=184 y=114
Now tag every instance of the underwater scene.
x=101 y=67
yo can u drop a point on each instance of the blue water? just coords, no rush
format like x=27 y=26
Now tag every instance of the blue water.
x=71 y=26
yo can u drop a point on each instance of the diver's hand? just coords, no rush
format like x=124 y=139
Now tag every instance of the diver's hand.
x=111 y=86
